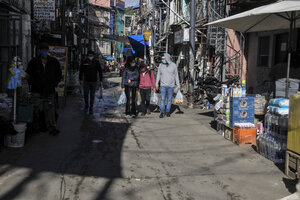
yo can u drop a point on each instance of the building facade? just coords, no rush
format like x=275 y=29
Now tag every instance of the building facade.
x=15 y=31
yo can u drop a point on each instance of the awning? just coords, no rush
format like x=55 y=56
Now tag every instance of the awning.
x=138 y=44
x=283 y=14
x=108 y=58
x=273 y=16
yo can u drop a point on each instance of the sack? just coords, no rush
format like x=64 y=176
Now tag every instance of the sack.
x=122 y=99
x=100 y=93
x=154 y=99
x=179 y=98
x=138 y=98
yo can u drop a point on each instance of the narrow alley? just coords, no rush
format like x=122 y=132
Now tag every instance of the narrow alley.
x=107 y=156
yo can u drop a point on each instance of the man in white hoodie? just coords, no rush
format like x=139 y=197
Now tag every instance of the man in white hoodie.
x=167 y=75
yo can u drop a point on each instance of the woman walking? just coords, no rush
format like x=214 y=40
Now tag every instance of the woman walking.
x=147 y=82
x=130 y=82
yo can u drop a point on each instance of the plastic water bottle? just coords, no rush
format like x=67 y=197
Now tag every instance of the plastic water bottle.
x=284 y=127
x=278 y=153
x=273 y=151
x=267 y=146
x=267 y=123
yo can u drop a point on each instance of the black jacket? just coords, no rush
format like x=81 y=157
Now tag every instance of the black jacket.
x=133 y=75
x=89 y=70
x=44 y=80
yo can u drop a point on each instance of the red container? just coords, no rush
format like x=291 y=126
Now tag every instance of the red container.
x=242 y=136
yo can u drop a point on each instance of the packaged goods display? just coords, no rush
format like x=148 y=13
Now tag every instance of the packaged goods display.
x=242 y=110
x=273 y=143
x=293 y=143
x=259 y=104
x=244 y=133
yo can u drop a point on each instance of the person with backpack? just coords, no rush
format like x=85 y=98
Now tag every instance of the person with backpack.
x=147 y=82
x=130 y=83
x=168 y=77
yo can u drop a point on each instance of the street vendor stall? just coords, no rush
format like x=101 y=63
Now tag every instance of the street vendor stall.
x=273 y=141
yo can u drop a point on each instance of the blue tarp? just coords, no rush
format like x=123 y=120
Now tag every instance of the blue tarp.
x=136 y=6
x=108 y=58
x=138 y=44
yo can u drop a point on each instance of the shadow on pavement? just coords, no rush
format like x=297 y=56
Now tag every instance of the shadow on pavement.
x=290 y=184
x=90 y=149
x=208 y=113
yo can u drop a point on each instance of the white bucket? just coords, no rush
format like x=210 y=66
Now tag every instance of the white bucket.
x=17 y=140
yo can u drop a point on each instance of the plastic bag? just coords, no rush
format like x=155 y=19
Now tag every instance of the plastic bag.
x=122 y=99
x=179 y=98
x=138 y=98
x=154 y=99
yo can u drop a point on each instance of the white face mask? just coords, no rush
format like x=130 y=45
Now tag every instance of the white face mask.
x=91 y=58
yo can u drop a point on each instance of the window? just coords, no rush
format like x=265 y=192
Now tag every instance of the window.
x=281 y=48
x=263 y=51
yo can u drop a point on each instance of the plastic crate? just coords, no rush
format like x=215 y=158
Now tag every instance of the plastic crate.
x=242 y=136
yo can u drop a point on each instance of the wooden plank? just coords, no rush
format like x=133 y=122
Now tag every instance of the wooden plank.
x=287 y=156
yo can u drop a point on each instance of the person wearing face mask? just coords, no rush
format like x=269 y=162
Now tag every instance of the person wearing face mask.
x=168 y=77
x=89 y=70
x=130 y=82
x=147 y=81
x=44 y=74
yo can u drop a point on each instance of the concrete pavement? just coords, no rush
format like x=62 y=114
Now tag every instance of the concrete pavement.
x=106 y=156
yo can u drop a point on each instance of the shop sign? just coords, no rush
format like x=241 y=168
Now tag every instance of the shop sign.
x=147 y=34
x=44 y=10
x=178 y=37
x=61 y=54
x=182 y=36
x=186 y=35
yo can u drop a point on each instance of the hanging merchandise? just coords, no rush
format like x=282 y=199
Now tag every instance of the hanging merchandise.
x=14 y=79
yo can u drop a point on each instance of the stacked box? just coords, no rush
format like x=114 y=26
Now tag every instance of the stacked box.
x=242 y=110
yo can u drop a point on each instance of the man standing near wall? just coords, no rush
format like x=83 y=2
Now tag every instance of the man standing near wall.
x=44 y=75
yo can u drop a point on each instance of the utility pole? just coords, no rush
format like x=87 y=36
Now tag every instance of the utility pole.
x=168 y=19
x=63 y=23
x=152 y=35
x=192 y=53
x=145 y=42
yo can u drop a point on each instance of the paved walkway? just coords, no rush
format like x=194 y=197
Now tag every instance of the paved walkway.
x=106 y=156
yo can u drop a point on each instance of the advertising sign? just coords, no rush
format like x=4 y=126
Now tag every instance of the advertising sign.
x=147 y=34
x=44 y=9
x=61 y=54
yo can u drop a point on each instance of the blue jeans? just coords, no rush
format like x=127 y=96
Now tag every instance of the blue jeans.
x=166 y=94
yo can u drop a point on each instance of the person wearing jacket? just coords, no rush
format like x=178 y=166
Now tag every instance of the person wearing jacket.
x=147 y=81
x=89 y=70
x=44 y=74
x=130 y=83
x=167 y=75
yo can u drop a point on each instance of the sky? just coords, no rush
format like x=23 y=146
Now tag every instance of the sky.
x=129 y=3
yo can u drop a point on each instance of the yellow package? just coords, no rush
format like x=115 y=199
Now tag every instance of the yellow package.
x=293 y=143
